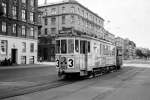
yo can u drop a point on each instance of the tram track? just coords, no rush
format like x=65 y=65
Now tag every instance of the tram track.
x=35 y=88
x=54 y=84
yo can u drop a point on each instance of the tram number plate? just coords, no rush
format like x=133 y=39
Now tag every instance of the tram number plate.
x=70 y=63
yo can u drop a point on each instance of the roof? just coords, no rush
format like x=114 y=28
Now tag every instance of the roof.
x=69 y=2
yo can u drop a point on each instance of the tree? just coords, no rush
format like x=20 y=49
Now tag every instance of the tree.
x=148 y=54
x=139 y=53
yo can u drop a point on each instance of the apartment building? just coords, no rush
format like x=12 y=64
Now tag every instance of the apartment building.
x=129 y=49
x=18 y=31
x=71 y=16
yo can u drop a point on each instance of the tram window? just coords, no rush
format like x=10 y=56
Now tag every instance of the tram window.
x=100 y=49
x=82 y=47
x=57 y=46
x=70 y=46
x=63 y=46
x=113 y=51
x=89 y=47
x=77 y=45
x=104 y=49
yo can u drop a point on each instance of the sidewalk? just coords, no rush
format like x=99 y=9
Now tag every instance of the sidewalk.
x=38 y=64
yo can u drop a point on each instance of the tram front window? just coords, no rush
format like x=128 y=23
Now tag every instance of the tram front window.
x=63 y=46
x=77 y=45
x=70 y=46
x=82 y=47
x=89 y=47
x=57 y=46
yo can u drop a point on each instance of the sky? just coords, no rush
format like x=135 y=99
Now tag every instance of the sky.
x=124 y=18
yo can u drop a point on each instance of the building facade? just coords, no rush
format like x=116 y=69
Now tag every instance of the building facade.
x=120 y=43
x=129 y=49
x=18 y=31
x=69 y=14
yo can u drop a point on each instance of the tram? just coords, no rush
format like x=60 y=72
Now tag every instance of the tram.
x=84 y=55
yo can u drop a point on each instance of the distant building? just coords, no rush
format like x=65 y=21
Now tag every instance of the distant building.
x=18 y=31
x=120 y=43
x=69 y=15
x=129 y=49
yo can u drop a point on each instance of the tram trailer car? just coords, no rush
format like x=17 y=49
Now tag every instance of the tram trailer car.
x=85 y=56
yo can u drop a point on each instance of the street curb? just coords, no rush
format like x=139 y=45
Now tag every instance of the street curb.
x=26 y=66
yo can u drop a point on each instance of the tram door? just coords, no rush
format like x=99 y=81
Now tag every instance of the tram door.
x=84 y=53
x=118 y=57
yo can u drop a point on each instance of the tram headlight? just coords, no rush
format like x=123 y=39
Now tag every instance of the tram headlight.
x=70 y=63
x=57 y=63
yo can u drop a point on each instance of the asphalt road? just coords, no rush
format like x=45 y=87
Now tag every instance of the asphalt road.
x=130 y=83
x=26 y=73
x=14 y=79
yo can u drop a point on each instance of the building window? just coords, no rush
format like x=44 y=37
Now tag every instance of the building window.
x=23 y=47
x=72 y=10
x=39 y=31
x=45 y=31
x=3 y=26
x=83 y=13
x=63 y=10
x=23 y=59
x=23 y=1
x=79 y=20
x=4 y=8
x=32 y=47
x=63 y=19
x=45 y=21
x=31 y=60
x=23 y=33
x=3 y=49
x=53 y=30
x=53 y=11
x=23 y=15
x=87 y=15
x=86 y=24
x=53 y=21
x=72 y=19
x=14 y=28
x=78 y=10
x=31 y=16
x=14 y=12
x=32 y=32
x=32 y=3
